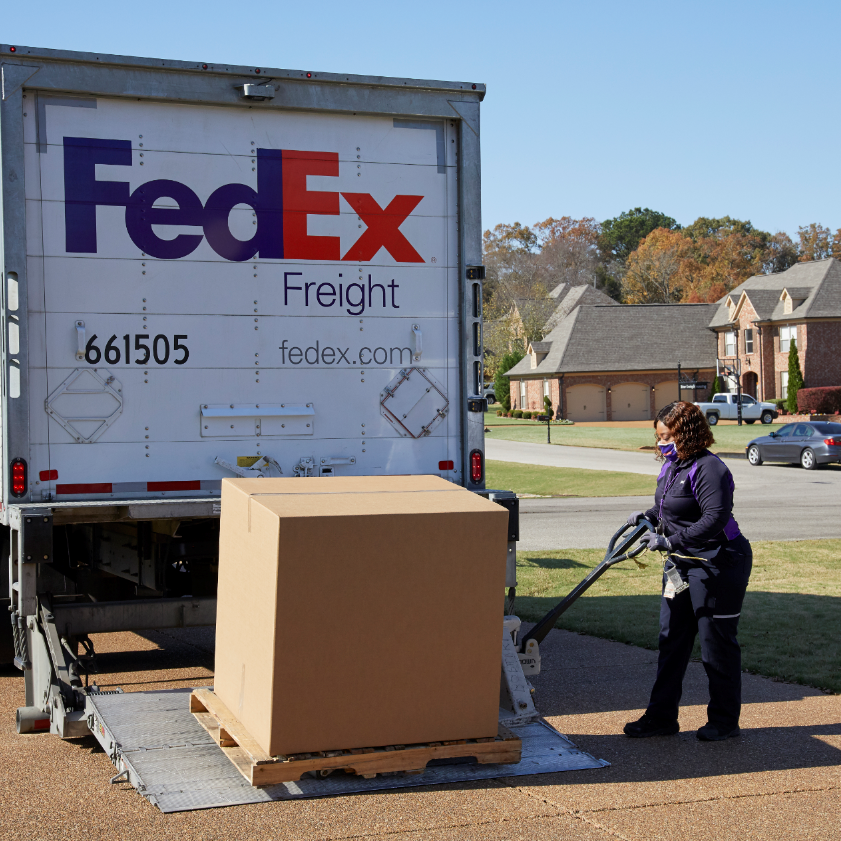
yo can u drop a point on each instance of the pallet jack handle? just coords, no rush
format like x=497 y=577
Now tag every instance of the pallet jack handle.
x=615 y=554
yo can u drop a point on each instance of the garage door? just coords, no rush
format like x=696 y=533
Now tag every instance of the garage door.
x=630 y=402
x=665 y=393
x=586 y=403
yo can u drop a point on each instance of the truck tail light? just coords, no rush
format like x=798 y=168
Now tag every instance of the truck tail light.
x=477 y=467
x=445 y=465
x=832 y=442
x=18 y=477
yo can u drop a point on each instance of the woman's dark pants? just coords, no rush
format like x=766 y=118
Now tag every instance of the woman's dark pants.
x=710 y=608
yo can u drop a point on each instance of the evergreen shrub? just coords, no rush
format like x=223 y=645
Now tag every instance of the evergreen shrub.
x=795 y=378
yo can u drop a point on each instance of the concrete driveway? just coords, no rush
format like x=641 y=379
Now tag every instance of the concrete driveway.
x=773 y=502
x=780 y=779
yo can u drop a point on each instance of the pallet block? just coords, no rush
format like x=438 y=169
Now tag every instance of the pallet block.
x=260 y=769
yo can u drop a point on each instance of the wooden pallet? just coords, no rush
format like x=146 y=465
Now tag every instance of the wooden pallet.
x=260 y=769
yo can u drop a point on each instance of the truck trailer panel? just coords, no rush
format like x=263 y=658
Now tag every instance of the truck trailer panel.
x=208 y=271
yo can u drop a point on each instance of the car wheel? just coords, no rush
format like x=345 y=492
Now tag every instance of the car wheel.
x=751 y=421
x=712 y=419
x=808 y=460
x=754 y=456
x=767 y=417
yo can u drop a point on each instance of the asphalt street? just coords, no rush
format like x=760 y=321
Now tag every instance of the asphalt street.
x=773 y=502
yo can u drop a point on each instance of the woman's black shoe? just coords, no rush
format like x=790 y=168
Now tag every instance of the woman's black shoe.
x=650 y=726
x=716 y=733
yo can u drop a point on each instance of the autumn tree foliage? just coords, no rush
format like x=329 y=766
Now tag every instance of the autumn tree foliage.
x=523 y=265
x=703 y=261
x=516 y=291
x=817 y=242
x=653 y=270
x=781 y=254
x=621 y=236
x=568 y=249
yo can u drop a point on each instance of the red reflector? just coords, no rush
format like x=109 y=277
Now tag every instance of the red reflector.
x=445 y=465
x=174 y=486
x=477 y=467
x=101 y=488
x=832 y=442
x=48 y=475
x=18 y=477
x=41 y=724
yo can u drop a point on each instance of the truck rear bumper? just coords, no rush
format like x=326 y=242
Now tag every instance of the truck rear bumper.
x=114 y=510
x=135 y=615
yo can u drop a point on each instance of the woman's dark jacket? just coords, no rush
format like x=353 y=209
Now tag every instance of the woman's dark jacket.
x=694 y=505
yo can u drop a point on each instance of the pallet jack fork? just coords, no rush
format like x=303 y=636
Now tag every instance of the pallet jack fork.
x=522 y=657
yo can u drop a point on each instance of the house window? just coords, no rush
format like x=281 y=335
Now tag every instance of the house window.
x=730 y=343
x=783 y=385
x=787 y=334
x=522 y=394
x=748 y=341
x=546 y=388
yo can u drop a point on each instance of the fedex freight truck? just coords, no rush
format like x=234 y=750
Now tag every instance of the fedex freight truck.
x=215 y=271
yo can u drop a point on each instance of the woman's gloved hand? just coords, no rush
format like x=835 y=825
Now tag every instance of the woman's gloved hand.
x=634 y=519
x=656 y=542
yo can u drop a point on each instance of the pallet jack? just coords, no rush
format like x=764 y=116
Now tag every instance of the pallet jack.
x=521 y=657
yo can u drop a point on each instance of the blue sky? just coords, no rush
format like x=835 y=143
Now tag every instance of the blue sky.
x=593 y=108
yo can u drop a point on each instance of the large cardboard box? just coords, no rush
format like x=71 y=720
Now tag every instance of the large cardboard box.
x=359 y=612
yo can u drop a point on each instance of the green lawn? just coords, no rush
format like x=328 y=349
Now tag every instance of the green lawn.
x=791 y=620
x=566 y=481
x=729 y=438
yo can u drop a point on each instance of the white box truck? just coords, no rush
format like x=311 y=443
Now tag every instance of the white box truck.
x=211 y=271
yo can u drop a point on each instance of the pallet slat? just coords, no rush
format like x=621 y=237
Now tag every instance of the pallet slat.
x=261 y=769
x=203 y=700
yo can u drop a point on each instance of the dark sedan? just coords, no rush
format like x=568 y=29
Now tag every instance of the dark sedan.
x=811 y=443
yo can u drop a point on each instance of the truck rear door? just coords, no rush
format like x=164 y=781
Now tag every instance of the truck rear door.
x=218 y=284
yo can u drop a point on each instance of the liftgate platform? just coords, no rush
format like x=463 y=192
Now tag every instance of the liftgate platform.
x=161 y=749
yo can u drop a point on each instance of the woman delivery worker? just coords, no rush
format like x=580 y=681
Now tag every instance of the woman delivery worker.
x=706 y=574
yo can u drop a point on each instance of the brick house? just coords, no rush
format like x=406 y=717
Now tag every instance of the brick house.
x=617 y=362
x=757 y=321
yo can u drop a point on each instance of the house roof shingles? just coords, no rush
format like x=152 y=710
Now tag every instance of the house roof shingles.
x=570 y=297
x=647 y=337
x=817 y=285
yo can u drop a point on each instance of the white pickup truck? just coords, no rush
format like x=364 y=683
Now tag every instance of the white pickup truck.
x=725 y=406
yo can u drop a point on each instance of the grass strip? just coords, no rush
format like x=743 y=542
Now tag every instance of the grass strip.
x=730 y=439
x=790 y=627
x=566 y=481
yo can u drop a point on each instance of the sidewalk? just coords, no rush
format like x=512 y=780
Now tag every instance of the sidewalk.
x=780 y=779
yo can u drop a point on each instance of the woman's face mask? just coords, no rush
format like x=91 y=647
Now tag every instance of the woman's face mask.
x=669 y=451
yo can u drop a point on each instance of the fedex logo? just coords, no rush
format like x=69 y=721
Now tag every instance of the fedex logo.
x=281 y=204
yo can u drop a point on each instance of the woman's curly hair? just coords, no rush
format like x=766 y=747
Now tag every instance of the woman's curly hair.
x=688 y=426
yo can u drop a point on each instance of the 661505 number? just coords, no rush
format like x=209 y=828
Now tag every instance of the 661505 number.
x=144 y=349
